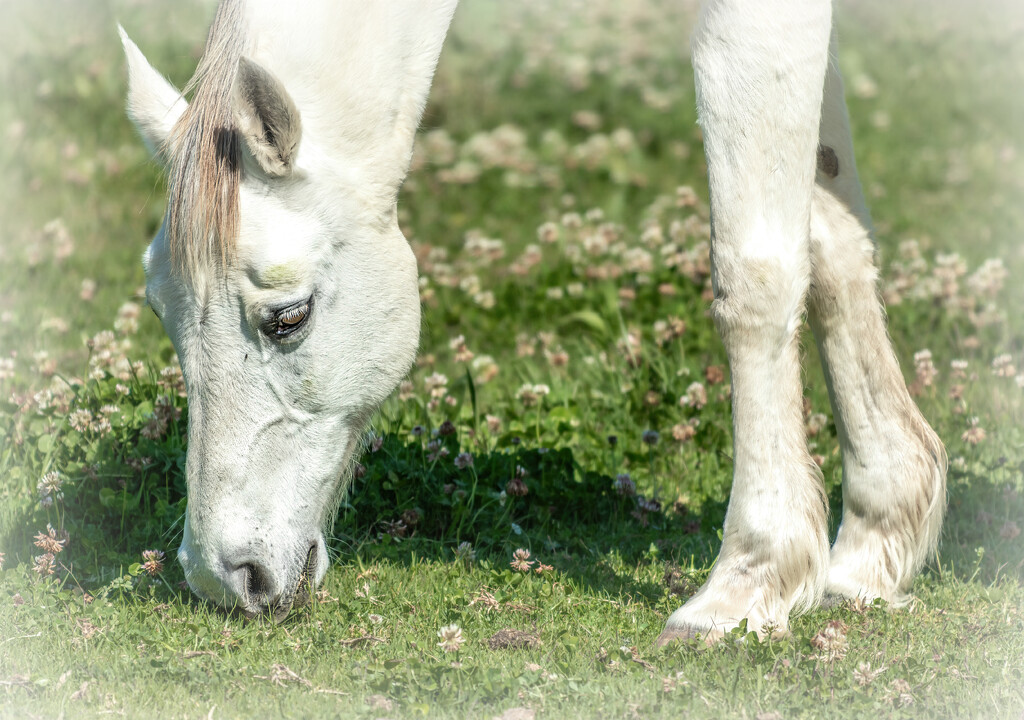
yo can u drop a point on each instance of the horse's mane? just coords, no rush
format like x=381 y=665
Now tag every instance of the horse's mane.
x=204 y=153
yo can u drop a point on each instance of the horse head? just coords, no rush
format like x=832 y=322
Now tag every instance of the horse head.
x=280 y=272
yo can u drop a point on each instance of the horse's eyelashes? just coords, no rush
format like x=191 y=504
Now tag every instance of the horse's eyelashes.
x=287 y=320
x=294 y=316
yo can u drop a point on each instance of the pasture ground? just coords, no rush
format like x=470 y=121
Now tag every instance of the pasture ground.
x=557 y=204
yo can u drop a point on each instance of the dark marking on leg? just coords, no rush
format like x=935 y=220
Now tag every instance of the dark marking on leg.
x=828 y=163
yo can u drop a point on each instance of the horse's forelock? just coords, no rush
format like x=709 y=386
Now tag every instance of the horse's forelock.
x=204 y=152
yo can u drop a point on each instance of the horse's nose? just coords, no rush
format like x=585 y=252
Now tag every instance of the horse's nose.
x=251 y=584
x=235 y=581
x=253 y=579
x=260 y=592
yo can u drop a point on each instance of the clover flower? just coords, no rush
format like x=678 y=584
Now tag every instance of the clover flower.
x=411 y=517
x=572 y=220
x=1002 y=366
x=153 y=562
x=988 y=279
x=816 y=423
x=530 y=395
x=127 y=322
x=485 y=369
x=516 y=487
x=526 y=346
x=548 y=233
x=44 y=564
x=624 y=485
x=45 y=365
x=696 y=396
x=435 y=450
x=959 y=369
x=80 y=420
x=49 y=486
x=686 y=197
x=899 y=693
x=376 y=442
x=975 y=434
x=451 y=638
x=924 y=367
x=395 y=528
x=557 y=358
x=521 y=560
x=462 y=352
x=465 y=553
x=87 y=289
x=436 y=385
x=683 y=432
x=648 y=505
x=830 y=641
x=172 y=381
x=463 y=460
x=406 y=391
x=48 y=542
x=665 y=331
x=865 y=675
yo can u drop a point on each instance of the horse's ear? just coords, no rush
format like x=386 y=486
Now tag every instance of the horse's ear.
x=416 y=31
x=359 y=71
x=154 y=105
x=266 y=118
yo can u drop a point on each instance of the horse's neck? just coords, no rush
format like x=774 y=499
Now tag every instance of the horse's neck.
x=359 y=72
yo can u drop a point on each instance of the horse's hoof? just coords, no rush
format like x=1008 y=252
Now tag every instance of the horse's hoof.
x=684 y=633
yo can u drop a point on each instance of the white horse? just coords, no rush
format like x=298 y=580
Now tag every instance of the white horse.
x=290 y=294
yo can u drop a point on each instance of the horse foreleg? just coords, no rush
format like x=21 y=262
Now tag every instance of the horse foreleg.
x=760 y=69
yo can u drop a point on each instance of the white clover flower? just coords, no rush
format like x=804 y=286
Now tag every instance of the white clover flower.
x=451 y=638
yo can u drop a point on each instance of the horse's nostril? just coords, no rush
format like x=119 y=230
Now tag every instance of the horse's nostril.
x=258 y=591
x=256 y=584
x=307 y=578
x=309 y=568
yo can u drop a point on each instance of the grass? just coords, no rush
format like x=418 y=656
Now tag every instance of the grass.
x=581 y=139
x=172 y=659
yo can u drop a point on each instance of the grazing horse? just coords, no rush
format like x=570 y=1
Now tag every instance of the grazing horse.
x=291 y=297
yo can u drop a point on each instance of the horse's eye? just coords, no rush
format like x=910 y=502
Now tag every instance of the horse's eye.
x=291 y=318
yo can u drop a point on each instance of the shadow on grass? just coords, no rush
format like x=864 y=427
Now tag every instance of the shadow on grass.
x=413 y=501
x=418 y=500
x=409 y=499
